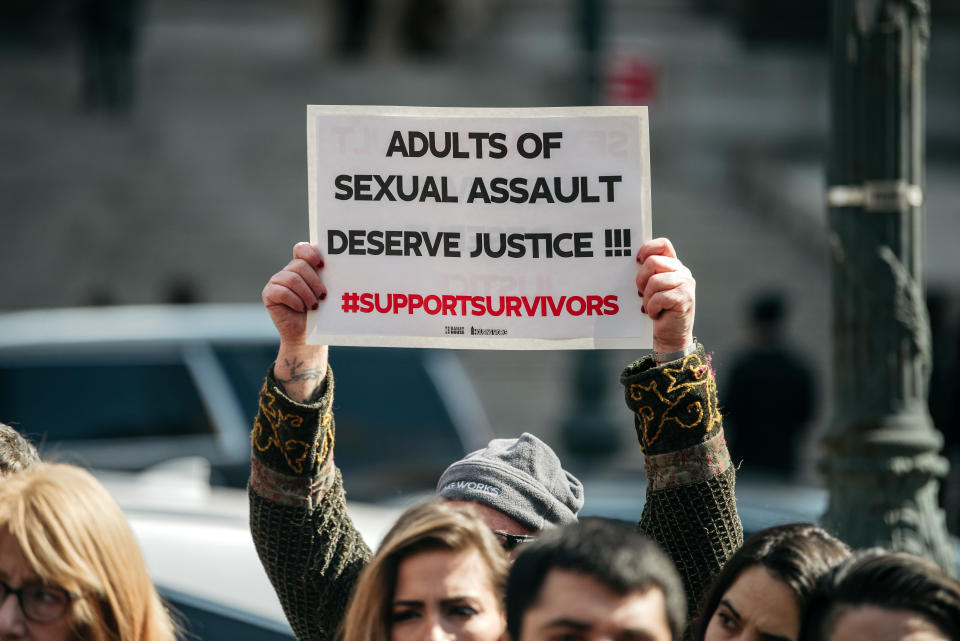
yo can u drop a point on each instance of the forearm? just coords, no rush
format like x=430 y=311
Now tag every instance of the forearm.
x=313 y=556
x=300 y=370
x=697 y=525
x=307 y=543
x=690 y=509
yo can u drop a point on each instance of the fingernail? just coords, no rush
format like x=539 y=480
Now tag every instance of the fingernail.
x=323 y=296
x=320 y=264
x=643 y=309
x=315 y=306
x=639 y=293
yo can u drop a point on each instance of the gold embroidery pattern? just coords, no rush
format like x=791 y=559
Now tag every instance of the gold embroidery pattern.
x=327 y=445
x=272 y=420
x=685 y=395
x=294 y=452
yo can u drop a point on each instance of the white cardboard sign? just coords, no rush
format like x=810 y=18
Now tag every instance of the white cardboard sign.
x=479 y=228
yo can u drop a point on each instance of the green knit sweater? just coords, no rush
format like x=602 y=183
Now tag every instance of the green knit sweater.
x=313 y=553
x=690 y=509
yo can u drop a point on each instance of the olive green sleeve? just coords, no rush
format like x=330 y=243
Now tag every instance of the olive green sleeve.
x=690 y=508
x=309 y=546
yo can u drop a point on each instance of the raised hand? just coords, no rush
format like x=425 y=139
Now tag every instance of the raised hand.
x=287 y=296
x=669 y=295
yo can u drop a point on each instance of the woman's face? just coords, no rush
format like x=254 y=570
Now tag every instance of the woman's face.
x=755 y=607
x=445 y=595
x=17 y=575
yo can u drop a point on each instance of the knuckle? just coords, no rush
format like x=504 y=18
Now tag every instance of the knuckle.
x=281 y=279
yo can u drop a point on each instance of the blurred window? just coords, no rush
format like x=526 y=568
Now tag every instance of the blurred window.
x=385 y=403
x=393 y=428
x=246 y=368
x=100 y=398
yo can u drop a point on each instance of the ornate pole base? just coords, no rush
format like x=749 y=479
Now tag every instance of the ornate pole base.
x=883 y=491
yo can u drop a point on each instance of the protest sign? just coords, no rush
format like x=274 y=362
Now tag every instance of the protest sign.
x=479 y=228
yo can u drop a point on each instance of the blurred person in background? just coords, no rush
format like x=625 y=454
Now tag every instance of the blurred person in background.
x=16 y=452
x=70 y=567
x=419 y=27
x=769 y=384
x=762 y=591
x=440 y=573
x=109 y=31
x=594 y=580
x=298 y=515
x=878 y=595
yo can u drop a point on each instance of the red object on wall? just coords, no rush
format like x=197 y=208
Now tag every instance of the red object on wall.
x=631 y=81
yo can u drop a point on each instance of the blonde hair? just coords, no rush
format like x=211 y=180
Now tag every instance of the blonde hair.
x=429 y=526
x=73 y=534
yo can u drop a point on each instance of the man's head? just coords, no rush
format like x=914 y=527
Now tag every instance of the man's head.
x=16 y=453
x=518 y=478
x=883 y=596
x=768 y=315
x=594 y=579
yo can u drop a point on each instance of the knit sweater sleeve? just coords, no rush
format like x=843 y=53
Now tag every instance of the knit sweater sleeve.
x=309 y=546
x=690 y=509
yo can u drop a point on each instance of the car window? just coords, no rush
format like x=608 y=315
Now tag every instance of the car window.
x=394 y=431
x=246 y=366
x=393 y=428
x=100 y=398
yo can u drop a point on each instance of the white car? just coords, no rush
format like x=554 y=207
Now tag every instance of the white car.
x=196 y=541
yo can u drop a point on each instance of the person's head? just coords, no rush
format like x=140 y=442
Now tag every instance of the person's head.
x=69 y=564
x=761 y=591
x=439 y=573
x=16 y=452
x=594 y=579
x=768 y=312
x=518 y=484
x=884 y=596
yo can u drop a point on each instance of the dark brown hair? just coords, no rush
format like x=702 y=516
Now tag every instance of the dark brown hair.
x=796 y=554
x=620 y=558
x=888 y=580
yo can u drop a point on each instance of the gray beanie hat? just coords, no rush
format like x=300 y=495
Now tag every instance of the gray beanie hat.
x=520 y=477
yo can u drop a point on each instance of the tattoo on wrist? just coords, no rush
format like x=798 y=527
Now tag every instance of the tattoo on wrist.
x=297 y=374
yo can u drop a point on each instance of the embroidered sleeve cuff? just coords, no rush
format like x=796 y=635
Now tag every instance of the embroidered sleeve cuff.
x=293 y=438
x=674 y=404
x=690 y=465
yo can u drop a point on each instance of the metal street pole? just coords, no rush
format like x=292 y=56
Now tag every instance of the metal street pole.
x=589 y=24
x=881 y=451
x=590 y=430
